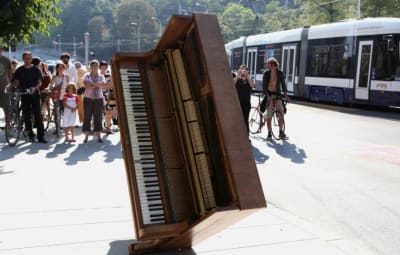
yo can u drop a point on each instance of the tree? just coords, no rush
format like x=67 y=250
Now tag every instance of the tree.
x=20 y=19
x=278 y=17
x=236 y=21
x=314 y=12
x=133 y=16
x=377 y=8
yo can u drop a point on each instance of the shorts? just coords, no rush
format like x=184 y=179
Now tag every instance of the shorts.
x=4 y=101
x=270 y=105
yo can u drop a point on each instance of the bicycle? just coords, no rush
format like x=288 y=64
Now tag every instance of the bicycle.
x=15 y=127
x=46 y=108
x=110 y=108
x=55 y=113
x=257 y=118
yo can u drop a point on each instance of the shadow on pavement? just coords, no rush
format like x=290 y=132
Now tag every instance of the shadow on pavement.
x=84 y=150
x=259 y=157
x=7 y=152
x=121 y=247
x=288 y=150
x=56 y=149
x=2 y=171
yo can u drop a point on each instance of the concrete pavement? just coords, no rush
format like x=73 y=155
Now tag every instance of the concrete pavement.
x=61 y=198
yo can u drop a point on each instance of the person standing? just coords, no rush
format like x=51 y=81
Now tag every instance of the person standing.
x=244 y=84
x=273 y=85
x=70 y=120
x=14 y=65
x=93 y=101
x=69 y=68
x=81 y=88
x=59 y=81
x=28 y=77
x=108 y=94
x=5 y=78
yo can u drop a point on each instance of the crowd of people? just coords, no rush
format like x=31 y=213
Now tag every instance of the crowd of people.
x=84 y=96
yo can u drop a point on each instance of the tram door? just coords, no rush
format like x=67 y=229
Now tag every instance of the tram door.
x=252 y=62
x=288 y=65
x=363 y=77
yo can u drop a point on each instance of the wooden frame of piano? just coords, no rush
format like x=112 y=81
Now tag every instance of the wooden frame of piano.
x=235 y=179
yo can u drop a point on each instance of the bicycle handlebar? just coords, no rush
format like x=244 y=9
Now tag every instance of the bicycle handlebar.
x=16 y=93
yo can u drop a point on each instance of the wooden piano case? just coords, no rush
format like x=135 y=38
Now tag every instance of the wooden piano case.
x=205 y=168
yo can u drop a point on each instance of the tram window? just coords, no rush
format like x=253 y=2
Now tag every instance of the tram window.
x=329 y=60
x=387 y=61
x=273 y=52
x=397 y=71
x=236 y=58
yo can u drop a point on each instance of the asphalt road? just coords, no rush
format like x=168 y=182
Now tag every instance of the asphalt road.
x=340 y=170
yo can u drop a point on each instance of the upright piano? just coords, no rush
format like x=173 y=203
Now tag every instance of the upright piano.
x=189 y=164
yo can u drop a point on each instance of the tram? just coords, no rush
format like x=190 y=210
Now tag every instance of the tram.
x=348 y=62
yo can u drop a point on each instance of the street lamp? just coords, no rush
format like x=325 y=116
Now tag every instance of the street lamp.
x=358 y=9
x=157 y=19
x=87 y=49
x=138 y=34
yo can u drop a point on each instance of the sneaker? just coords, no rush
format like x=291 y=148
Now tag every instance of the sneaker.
x=282 y=135
x=269 y=137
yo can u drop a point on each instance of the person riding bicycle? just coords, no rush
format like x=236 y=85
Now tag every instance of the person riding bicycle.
x=273 y=85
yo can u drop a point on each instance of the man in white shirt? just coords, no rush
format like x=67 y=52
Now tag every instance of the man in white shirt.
x=69 y=68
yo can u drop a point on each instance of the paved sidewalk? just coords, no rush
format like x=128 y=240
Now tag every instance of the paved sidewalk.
x=61 y=198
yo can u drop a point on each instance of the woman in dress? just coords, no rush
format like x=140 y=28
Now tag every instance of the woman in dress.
x=70 y=120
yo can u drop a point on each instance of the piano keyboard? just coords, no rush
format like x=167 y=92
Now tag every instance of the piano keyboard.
x=142 y=148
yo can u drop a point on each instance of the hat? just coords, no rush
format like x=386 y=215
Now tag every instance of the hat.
x=64 y=54
x=94 y=62
x=272 y=61
x=103 y=63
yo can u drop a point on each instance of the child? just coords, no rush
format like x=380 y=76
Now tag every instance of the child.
x=70 y=102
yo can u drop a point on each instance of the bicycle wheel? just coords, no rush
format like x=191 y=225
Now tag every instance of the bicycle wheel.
x=13 y=131
x=46 y=115
x=57 y=122
x=255 y=120
x=276 y=117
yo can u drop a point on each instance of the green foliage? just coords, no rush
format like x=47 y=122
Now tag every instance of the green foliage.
x=317 y=12
x=109 y=22
x=133 y=15
x=377 y=8
x=236 y=21
x=276 y=17
x=23 y=18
